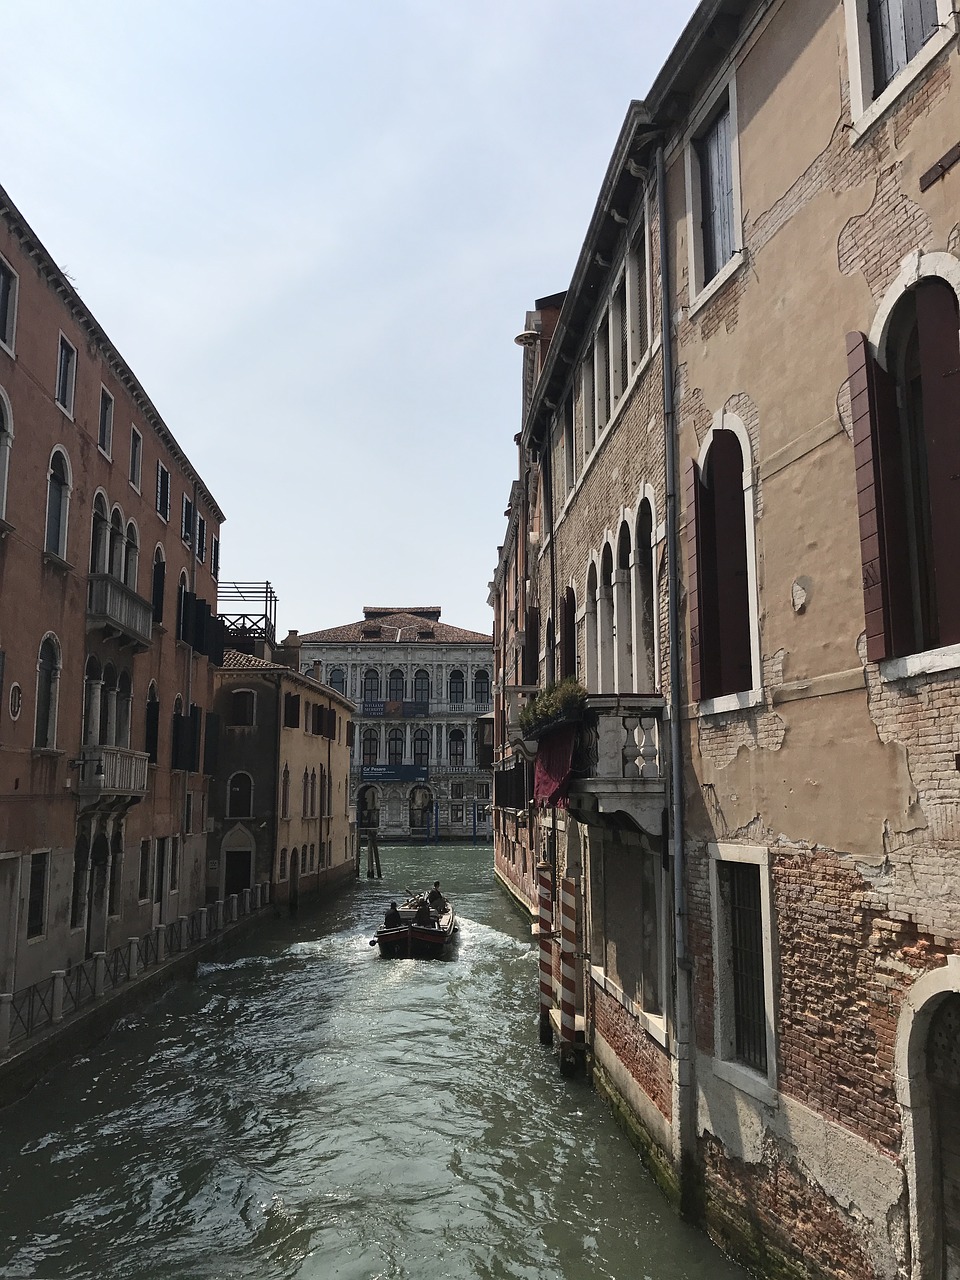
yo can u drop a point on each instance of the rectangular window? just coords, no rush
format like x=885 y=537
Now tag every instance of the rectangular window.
x=621 y=340
x=743 y=961
x=186 y=520
x=291 y=710
x=456 y=814
x=215 y=558
x=898 y=31
x=188 y=814
x=8 y=304
x=639 y=303
x=456 y=790
x=105 y=434
x=201 y=539
x=66 y=375
x=136 y=457
x=714 y=153
x=483 y=790
x=143 y=878
x=175 y=863
x=37 y=902
x=601 y=353
x=163 y=491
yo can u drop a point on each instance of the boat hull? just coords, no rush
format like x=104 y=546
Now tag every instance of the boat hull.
x=417 y=942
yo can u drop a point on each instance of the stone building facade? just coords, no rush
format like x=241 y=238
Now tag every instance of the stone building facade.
x=739 y=530
x=419 y=685
x=109 y=555
x=280 y=808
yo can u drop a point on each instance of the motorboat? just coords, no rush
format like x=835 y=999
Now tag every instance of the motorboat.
x=413 y=937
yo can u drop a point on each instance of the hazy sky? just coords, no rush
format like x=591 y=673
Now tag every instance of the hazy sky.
x=313 y=229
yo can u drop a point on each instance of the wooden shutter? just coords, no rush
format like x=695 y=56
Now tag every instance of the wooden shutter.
x=159 y=581
x=531 y=646
x=194 y=733
x=291 y=711
x=152 y=730
x=735 y=673
x=887 y=605
x=211 y=744
x=938 y=330
x=691 y=497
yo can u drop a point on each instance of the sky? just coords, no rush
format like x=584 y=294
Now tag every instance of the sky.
x=313 y=231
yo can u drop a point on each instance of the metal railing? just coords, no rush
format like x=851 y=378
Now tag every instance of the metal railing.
x=66 y=992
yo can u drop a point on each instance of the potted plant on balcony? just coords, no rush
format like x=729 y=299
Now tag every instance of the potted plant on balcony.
x=558 y=704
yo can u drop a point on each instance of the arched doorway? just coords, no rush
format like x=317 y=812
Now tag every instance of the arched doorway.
x=97 y=894
x=237 y=855
x=421 y=810
x=368 y=807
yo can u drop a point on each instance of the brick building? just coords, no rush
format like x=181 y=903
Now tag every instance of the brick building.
x=420 y=685
x=280 y=811
x=109 y=551
x=738 y=531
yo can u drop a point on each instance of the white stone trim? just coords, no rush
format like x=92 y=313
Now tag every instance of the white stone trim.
x=700 y=292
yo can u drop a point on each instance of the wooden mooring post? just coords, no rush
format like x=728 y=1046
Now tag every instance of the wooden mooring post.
x=373 y=857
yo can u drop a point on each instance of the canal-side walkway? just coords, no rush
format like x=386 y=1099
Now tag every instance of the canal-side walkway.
x=73 y=1008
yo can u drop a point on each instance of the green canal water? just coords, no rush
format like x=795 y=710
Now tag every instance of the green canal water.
x=306 y=1109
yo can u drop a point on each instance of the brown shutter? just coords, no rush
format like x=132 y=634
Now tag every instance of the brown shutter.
x=938 y=330
x=732 y=639
x=691 y=486
x=887 y=603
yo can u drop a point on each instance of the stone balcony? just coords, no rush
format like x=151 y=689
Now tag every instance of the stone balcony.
x=117 y=610
x=113 y=773
x=621 y=763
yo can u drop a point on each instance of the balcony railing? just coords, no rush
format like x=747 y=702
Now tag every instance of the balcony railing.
x=621 y=763
x=118 y=610
x=113 y=771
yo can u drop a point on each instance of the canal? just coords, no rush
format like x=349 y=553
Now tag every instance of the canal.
x=306 y=1109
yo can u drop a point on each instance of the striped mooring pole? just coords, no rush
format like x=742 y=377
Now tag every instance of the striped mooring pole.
x=568 y=975
x=545 y=931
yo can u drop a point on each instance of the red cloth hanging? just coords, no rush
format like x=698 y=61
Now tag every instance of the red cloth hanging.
x=551 y=777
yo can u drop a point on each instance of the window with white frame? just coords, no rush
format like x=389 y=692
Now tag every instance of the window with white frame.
x=105 y=431
x=201 y=539
x=136 y=457
x=48 y=694
x=37 y=894
x=889 y=42
x=66 y=375
x=215 y=558
x=9 y=286
x=58 y=505
x=163 y=492
x=713 y=192
x=6 y=443
x=638 y=286
x=743 y=958
x=186 y=520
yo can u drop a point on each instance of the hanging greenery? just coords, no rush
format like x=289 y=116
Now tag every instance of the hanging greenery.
x=557 y=704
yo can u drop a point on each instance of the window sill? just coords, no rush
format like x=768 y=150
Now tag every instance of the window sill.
x=655 y=1025
x=726 y=272
x=900 y=83
x=57 y=562
x=5 y=528
x=730 y=702
x=920 y=664
x=747 y=1081
x=8 y=349
x=104 y=454
x=134 y=487
x=67 y=413
x=47 y=752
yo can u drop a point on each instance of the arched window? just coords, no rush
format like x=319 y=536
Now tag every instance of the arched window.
x=313 y=794
x=421 y=748
x=623 y=614
x=305 y=794
x=395 y=686
x=48 y=691
x=719 y=597
x=285 y=793
x=481 y=688
x=176 y=734
x=909 y=451
x=337 y=679
x=116 y=544
x=395 y=746
x=240 y=796
x=591 y=636
x=151 y=737
x=124 y=710
x=100 y=536
x=131 y=556
x=323 y=793
x=421 y=687
x=605 y=623
x=645 y=602
x=568 y=634
x=456 y=748
x=159 y=582
x=58 y=504
x=182 y=620
x=371 y=685
x=6 y=444
x=457 y=687
x=371 y=746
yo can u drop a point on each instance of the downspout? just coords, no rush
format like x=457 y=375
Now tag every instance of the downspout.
x=685 y=1049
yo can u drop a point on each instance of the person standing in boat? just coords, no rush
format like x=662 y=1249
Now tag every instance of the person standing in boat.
x=392 y=919
x=436 y=898
x=424 y=915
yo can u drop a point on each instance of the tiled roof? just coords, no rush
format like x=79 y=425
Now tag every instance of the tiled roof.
x=234 y=661
x=398 y=626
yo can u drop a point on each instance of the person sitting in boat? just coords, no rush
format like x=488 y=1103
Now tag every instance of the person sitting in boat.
x=436 y=898
x=424 y=915
x=392 y=919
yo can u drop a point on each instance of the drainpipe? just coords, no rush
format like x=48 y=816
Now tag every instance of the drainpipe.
x=685 y=1137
